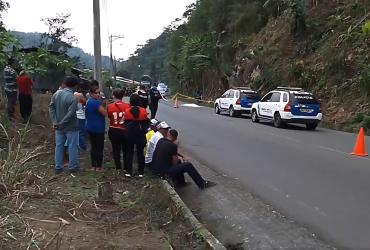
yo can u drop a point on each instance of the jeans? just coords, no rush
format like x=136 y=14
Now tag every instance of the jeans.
x=177 y=172
x=82 y=134
x=117 y=137
x=97 y=147
x=25 y=103
x=130 y=148
x=60 y=139
x=11 y=97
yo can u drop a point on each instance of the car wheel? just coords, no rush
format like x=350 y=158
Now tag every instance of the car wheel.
x=231 y=112
x=254 y=116
x=311 y=126
x=278 y=123
x=217 y=109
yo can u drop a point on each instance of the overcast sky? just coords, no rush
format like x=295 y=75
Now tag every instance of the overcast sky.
x=137 y=20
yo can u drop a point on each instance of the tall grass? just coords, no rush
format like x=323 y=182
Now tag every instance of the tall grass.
x=16 y=162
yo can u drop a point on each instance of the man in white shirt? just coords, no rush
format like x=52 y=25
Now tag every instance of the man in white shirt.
x=162 y=128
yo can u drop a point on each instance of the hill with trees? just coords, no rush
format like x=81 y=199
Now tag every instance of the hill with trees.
x=320 y=45
x=34 y=39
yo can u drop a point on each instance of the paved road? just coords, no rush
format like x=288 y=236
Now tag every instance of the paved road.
x=307 y=175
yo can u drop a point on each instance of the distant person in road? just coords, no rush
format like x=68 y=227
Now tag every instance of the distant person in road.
x=117 y=128
x=25 y=85
x=81 y=106
x=144 y=97
x=137 y=123
x=62 y=110
x=10 y=87
x=95 y=127
x=162 y=130
x=155 y=96
x=166 y=163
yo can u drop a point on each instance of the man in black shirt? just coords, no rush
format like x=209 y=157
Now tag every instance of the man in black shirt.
x=144 y=97
x=155 y=96
x=166 y=163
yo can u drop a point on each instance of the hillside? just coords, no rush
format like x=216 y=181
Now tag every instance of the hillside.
x=33 y=39
x=322 y=46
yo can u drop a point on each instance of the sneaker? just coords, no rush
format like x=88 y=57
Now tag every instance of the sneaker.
x=73 y=170
x=58 y=171
x=208 y=184
x=140 y=175
x=127 y=175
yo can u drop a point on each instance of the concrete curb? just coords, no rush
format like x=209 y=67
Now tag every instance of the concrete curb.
x=210 y=240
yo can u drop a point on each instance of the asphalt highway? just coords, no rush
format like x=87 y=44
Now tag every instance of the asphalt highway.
x=309 y=176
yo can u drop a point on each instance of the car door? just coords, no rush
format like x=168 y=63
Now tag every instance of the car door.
x=274 y=103
x=230 y=99
x=223 y=101
x=263 y=106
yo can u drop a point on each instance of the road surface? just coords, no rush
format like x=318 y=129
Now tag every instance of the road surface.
x=307 y=175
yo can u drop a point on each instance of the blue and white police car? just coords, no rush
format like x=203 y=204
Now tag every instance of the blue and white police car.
x=288 y=105
x=236 y=101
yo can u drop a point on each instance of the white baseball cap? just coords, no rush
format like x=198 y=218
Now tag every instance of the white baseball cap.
x=163 y=124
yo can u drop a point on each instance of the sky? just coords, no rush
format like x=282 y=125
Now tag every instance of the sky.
x=136 y=20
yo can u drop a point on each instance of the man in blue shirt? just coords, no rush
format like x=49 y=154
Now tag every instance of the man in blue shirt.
x=62 y=110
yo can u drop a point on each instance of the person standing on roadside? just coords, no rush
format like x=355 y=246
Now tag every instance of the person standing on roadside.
x=25 y=85
x=117 y=129
x=151 y=132
x=155 y=96
x=95 y=127
x=62 y=110
x=10 y=87
x=137 y=123
x=81 y=106
x=144 y=97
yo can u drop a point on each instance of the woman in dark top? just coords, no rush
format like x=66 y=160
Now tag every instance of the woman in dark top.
x=137 y=123
x=95 y=126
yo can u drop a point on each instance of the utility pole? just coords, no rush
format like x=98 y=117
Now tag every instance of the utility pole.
x=97 y=44
x=112 y=38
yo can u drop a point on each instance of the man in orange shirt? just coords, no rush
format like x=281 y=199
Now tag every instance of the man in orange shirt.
x=25 y=85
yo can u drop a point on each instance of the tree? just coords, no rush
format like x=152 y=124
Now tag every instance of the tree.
x=57 y=38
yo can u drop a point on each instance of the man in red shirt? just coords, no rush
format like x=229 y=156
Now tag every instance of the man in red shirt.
x=117 y=128
x=25 y=85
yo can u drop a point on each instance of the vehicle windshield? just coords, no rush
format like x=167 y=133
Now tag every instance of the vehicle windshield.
x=303 y=99
x=161 y=85
x=249 y=95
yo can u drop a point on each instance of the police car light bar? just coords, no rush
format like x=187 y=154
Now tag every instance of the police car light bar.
x=289 y=88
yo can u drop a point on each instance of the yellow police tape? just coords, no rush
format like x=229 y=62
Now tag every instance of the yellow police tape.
x=189 y=97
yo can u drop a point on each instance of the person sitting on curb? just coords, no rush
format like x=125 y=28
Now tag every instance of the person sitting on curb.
x=166 y=163
x=151 y=132
x=162 y=130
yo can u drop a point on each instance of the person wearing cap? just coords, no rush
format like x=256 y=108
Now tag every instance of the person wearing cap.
x=166 y=163
x=162 y=130
x=137 y=123
x=151 y=132
x=117 y=128
x=25 y=85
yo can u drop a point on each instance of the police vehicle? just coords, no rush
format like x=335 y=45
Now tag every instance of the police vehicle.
x=288 y=105
x=236 y=101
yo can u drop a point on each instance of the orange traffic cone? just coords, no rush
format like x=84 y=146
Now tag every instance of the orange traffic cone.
x=359 y=149
x=176 y=104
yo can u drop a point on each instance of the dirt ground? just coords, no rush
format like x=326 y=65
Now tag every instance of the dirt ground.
x=44 y=211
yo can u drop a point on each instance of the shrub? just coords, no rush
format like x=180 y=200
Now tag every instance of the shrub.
x=366 y=122
x=359 y=117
